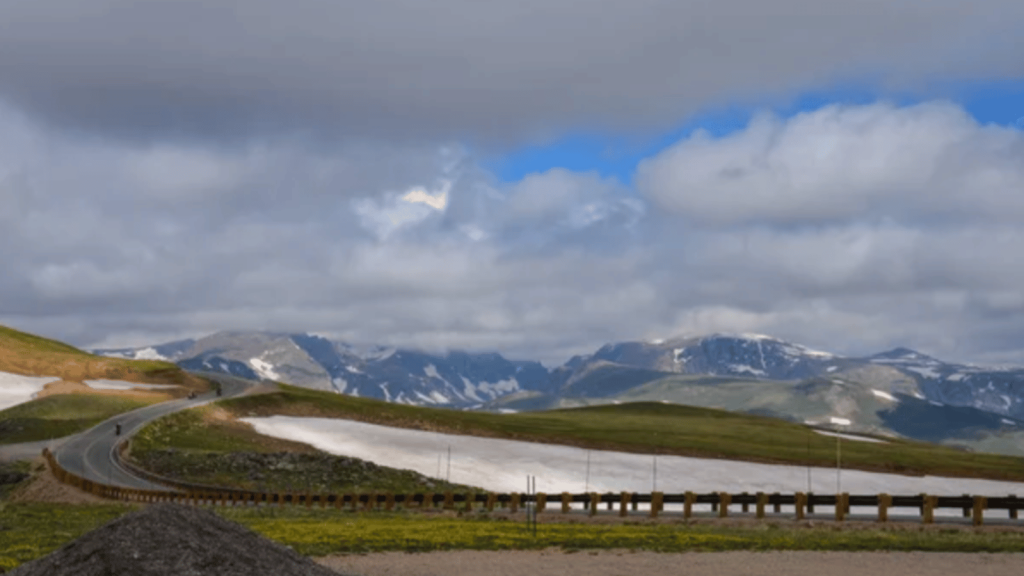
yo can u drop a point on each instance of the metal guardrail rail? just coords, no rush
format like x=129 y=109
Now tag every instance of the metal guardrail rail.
x=971 y=506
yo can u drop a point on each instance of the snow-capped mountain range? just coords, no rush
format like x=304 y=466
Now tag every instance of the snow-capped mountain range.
x=464 y=379
x=455 y=379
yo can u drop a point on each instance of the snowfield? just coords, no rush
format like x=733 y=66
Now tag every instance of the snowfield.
x=502 y=465
x=16 y=389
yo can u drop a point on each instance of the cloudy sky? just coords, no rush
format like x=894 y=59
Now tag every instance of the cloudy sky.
x=533 y=177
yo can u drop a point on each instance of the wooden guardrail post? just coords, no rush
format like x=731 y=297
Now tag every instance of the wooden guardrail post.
x=929 y=502
x=840 y=507
x=688 y=499
x=657 y=501
x=884 y=503
x=542 y=501
x=980 y=503
x=449 y=501
x=492 y=499
x=566 y=502
x=762 y=500
x=801 y=501
x=513 y=504
x=777 y=507
x=625 y=497
x=595 y=501
x=724 y=498
x=745 y=505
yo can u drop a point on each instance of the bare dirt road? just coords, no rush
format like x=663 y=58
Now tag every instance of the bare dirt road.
x=626 y=563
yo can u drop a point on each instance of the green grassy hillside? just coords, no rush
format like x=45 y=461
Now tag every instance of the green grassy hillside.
x=30 y=355
x=653 y=428
x=61 y=415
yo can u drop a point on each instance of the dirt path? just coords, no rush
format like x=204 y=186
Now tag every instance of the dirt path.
x=616 y=563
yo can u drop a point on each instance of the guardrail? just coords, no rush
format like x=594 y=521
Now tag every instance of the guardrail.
x=721 y=502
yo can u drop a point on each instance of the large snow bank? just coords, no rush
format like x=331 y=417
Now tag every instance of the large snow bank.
x=16 y=389
x=502 y=465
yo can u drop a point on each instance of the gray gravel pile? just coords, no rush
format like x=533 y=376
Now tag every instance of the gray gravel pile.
x=170 y=539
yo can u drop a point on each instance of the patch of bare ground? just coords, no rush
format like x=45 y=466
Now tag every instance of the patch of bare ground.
x=626 y=562
x=44 y=487
x=71 y=387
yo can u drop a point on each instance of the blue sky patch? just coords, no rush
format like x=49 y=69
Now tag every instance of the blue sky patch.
x=617 y=156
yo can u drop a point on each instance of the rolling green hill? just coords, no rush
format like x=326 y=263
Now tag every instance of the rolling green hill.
x=30 y=355
x=643 y=427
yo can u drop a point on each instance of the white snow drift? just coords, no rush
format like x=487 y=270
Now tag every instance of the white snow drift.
x=16 y=389
x=502 y=465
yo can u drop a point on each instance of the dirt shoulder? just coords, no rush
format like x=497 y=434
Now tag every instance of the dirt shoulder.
x=624 y=562
x=43 y=486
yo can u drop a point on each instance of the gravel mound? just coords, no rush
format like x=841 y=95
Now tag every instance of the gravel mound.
x=172 y=540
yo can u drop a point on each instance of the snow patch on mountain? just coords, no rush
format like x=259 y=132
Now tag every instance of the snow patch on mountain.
x=264 y=369
x=469 y=389
x=923 y=371
x=884 y=395
x=743 y=368
x=495 y=389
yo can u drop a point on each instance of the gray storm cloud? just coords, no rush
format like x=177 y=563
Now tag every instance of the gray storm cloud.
x=110 y=259
x=496 y=72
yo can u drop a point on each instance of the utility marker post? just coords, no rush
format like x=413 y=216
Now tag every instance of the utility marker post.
x=654 y=476
x=839 y=462
x=587 y=489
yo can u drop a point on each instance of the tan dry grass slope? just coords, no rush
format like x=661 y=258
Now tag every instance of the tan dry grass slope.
x=30 y=355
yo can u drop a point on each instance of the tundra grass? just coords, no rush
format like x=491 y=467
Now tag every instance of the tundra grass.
x=318 y=533
x=652 y=428
x=28 y=354
x=60 y=415
x=204 y=447
x=30 y=531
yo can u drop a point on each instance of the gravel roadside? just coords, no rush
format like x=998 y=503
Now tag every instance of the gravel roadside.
x=624 y=562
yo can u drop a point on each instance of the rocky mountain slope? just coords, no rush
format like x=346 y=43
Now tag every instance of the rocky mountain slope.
x=396 y=375
x=900 y=392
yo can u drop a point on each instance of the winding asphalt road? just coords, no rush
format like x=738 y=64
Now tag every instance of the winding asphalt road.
x=90 y=453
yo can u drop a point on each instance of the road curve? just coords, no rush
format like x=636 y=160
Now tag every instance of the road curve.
x=90 y=453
